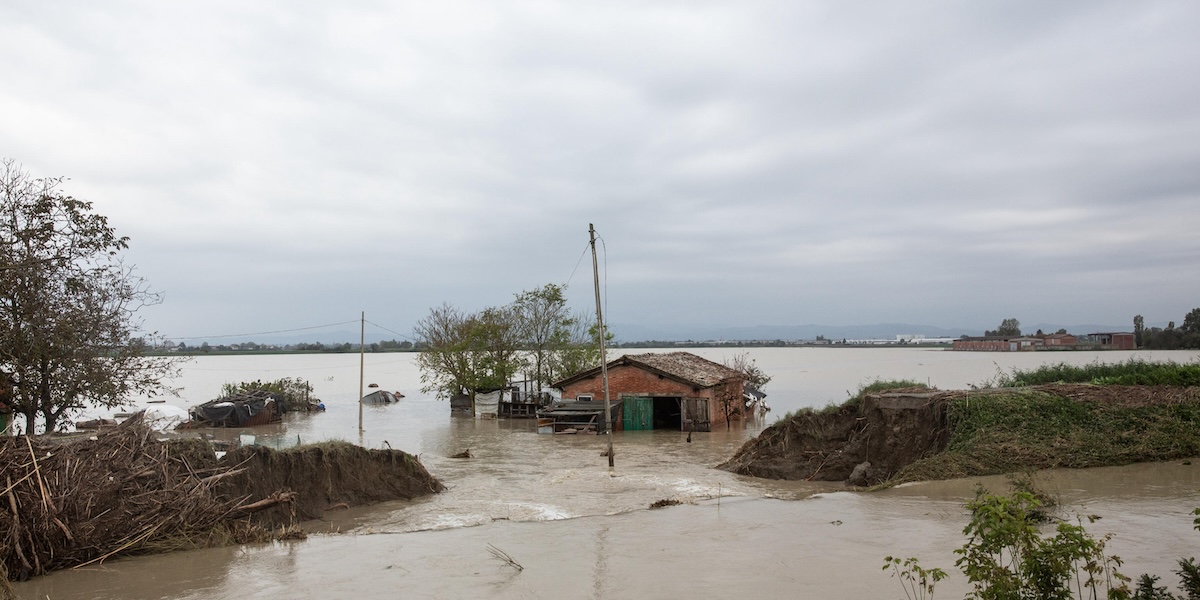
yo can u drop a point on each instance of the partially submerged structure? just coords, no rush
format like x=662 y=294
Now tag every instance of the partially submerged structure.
x=509 y=402
x=240 y=410
x=672 y=390
x=382 y=397
x=574 y=416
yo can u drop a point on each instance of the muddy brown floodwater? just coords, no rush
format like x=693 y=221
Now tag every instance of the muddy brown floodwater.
x=827 y=545
x=582 y=531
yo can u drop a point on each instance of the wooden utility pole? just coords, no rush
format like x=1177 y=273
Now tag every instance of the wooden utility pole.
x=362 y=339
x=608 y=424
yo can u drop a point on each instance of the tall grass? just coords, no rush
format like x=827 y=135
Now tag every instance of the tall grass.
x=874 y=387
x=1134 y=371
x=1002 y=432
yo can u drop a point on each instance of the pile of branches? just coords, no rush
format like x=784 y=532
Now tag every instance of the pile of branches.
x=69 y=504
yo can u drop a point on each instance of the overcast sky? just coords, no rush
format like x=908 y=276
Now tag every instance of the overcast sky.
x=288 y=164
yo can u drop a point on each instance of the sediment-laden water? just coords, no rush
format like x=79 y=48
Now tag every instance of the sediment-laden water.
x=584 y=531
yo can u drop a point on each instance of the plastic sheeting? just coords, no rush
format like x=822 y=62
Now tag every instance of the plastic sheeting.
x=164 y=417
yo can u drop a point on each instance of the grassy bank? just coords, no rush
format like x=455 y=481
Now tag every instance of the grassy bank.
x=1012 y=431
x=1131 y=372
x=1056 y=416
x=1134 y=411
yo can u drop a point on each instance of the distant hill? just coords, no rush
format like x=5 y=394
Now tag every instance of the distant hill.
x=629 y=332
x=635 y=333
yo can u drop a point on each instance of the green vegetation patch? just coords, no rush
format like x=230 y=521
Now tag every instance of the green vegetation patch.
x=293 y=394
x=1131 y=372
x=877 y=386
x=1022 y=429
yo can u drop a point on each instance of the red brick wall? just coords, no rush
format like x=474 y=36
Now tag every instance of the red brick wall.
x=983 y=345
x=1124 y=341
x=631 y=381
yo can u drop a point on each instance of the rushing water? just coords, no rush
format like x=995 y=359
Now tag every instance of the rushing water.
x=581 y=530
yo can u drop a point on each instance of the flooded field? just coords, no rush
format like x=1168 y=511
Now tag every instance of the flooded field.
x=583 y=531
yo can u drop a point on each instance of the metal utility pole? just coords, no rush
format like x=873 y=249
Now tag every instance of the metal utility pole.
x=362 y=339
x=603 y=356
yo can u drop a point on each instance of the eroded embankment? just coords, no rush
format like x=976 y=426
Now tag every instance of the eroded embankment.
x=125 y=492
x=906 y=436
x=321 y=476
x=884 y=431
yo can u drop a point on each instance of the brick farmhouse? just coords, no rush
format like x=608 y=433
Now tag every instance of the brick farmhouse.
x=673 y=390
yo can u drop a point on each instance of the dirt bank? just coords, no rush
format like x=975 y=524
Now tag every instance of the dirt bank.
x=333 y=474
x=919 y=434
x=123 y=491
x=888 y=430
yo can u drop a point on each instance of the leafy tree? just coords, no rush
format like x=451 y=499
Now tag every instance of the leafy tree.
x=68 y=305
x=467 y=353
x=755 y=377
x=444 y=361
x=1139 y=330
x=1191 y=321
x=495 y=339
x=1008 y=328
x=578 y=347
x=545 y=326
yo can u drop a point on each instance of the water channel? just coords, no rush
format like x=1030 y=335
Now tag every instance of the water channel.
x=583 y=531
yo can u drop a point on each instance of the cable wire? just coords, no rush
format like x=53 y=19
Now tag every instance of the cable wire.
x=577 y=263
x=233 y=335
x=391 y=331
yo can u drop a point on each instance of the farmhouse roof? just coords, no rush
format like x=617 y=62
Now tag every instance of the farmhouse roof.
x=684 y=367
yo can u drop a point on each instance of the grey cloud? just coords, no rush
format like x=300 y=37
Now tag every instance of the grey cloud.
x=759 y=162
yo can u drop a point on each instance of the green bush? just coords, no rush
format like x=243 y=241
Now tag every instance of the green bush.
x=292 y=393
x=1006 y=558
x=1134 y=371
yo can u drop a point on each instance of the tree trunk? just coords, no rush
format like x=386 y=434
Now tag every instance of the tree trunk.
x=30 y=418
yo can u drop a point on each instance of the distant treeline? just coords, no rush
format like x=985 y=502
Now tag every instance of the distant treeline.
x=314 y=347
x=1184 y=337
x=407 y=346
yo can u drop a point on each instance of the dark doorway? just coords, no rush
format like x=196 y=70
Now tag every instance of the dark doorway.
x=667 y=414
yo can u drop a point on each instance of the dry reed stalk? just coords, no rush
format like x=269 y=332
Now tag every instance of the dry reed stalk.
x=504 y=557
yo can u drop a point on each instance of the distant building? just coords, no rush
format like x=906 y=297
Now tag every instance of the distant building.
x=1056 y=341
x=1059 y=340
x=990 y=343
x=1114 y=340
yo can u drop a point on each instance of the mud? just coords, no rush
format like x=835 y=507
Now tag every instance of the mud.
x=869 y=441
x=888 y=431
x=324 y=476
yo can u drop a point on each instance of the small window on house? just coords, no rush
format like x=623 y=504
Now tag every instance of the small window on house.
x=584 y=397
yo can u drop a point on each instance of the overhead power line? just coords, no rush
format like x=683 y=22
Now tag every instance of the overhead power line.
x=391 y=331
x=233 y=335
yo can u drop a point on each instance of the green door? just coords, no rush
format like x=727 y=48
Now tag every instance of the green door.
x=638 y=413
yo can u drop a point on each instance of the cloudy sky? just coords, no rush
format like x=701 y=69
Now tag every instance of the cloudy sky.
x=287 y=164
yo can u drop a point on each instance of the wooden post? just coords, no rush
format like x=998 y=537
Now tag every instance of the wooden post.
x=362 y=333
x=608 y=424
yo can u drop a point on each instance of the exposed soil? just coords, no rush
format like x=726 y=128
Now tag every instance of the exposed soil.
x=123 y=491
x=887 y=430
x=868 y=442
x=323 y=476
